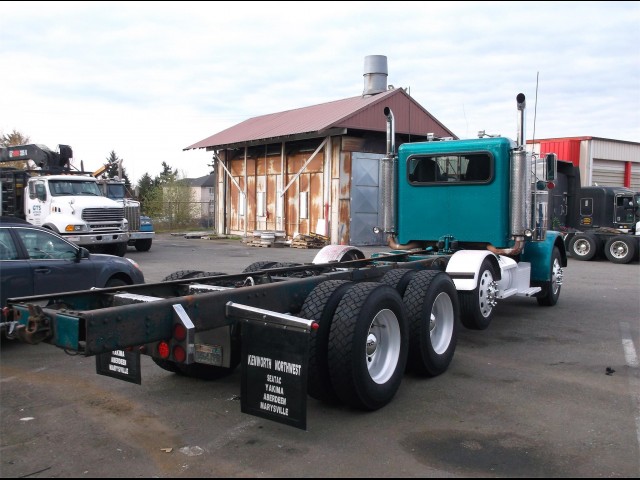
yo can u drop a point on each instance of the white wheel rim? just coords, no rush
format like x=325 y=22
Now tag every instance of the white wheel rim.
x=441 y=323
x=486 y=293
x=382 y=350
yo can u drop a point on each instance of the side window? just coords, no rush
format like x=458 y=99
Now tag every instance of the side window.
x=8 y=250
x=43 y=245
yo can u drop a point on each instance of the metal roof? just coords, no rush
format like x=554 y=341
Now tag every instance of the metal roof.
x=205 y=181
x=320 y=120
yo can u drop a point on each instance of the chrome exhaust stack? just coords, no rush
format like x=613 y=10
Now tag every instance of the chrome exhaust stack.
x=388 y=179
x=520 y=196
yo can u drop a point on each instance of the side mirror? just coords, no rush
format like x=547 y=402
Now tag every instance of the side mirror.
x=82 y=253
x=551 y=161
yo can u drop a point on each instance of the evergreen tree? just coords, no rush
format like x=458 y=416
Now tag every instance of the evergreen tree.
x=145 y=189
x=167 y=174
x=116 y=169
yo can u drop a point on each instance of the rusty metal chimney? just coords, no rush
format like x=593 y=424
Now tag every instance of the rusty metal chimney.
x=375 y=75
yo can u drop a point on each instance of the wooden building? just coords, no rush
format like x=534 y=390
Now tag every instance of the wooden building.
x=314 y=169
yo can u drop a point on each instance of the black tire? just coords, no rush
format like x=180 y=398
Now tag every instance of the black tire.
x=143 y=245
x=320 y=305
x=199 y=370
x=210 y=372
x=398 y=278
x=181 y=274
x=227 y=283
x=206 y=274
x=116 y=282
x=477 y=305
x=166 y=365
x=584 y=246
x=255 y=266
x=120 y=249
x=550 y=292
x=284 y=264
x=350 y=255
x=432 y=311
x=368 y=345
x=620 y=249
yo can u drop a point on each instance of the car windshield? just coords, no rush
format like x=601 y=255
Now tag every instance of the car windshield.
x=73 y=187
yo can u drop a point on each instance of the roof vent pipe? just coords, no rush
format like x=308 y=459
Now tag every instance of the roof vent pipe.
x=375 y=75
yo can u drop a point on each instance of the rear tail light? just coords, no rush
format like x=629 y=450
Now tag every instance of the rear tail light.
x=163 y=350
x=179 y=354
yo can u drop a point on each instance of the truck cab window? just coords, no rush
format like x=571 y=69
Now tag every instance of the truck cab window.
x=453 y=169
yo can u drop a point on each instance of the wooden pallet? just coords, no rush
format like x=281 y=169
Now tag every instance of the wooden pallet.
x=312 y=240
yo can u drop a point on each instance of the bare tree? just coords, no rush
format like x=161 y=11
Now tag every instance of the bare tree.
x=14 y=138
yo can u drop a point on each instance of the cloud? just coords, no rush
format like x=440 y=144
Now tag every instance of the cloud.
x=147 y=80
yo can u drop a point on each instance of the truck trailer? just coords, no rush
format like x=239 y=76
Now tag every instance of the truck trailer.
x=466 y=227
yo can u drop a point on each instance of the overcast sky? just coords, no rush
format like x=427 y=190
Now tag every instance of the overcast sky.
x=148 y=79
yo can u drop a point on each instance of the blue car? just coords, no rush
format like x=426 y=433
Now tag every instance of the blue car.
x=35 y=261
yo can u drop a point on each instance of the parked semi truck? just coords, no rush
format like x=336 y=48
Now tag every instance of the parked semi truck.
x=597 y=220
x=141 y=231
x=38 y=185
x=465 y=222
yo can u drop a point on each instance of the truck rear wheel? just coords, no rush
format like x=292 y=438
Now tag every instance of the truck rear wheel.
x=620 y=249
x=368 y=345
x=165 y=365
x=182 y=274
x=551 y=290
x=432 y=310
x=320 y=305
x=255 y=266
x=398 y=278
x=198 y=370
x=476 y=306
x=209 y=372
x=583 y=246
x=143 y=245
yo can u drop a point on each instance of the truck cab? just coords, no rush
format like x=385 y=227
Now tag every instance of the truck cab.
x=39 y=185
x=141 y=231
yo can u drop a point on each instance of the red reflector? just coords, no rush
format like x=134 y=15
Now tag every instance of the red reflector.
x=179 y=332
x=179 y=355
x=315 y=326
x=163 y=350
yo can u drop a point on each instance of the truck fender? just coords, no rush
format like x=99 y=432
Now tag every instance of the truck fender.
x=538 y=254
x=338 y=253
x=464 y=267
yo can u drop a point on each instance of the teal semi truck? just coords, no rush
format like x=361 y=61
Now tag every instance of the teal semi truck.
x=465 y=222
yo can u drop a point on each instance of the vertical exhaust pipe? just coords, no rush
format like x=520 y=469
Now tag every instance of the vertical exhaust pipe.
x=388 y=188
x=520 y=196
x=388 y=178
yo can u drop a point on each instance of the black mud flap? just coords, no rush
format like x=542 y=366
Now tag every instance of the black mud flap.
x=274 y=374
x=121 y=365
